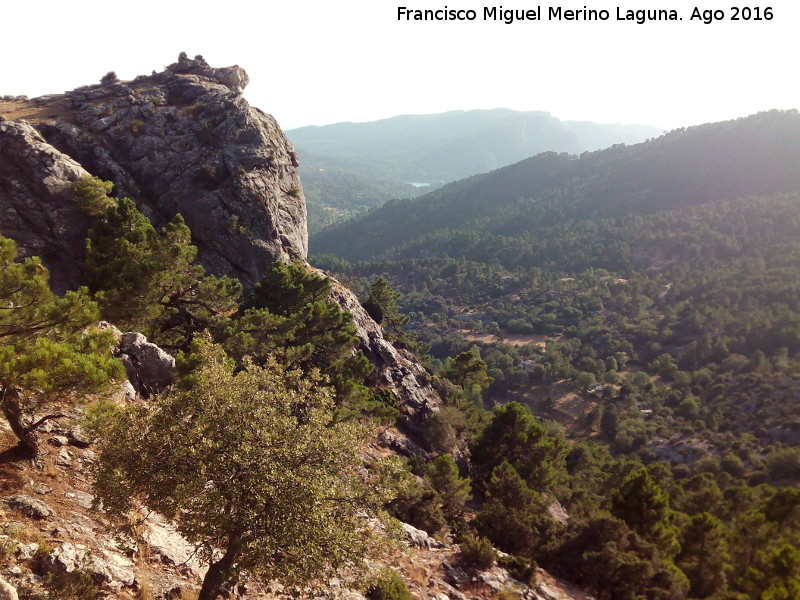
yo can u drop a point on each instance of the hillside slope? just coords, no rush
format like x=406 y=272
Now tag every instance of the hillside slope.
x=448 y=146
x=756 y=155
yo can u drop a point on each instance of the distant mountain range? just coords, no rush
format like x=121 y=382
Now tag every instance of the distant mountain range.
x=453 y=145
x=349 y=167
x=757 y=155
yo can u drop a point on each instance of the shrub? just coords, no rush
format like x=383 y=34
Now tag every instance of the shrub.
x=388 y=586
x=521 y=569
x=92 y=195
x=477 y=553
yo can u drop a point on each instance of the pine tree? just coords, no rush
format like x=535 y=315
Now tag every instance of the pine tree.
x=290 y=315
x=514 y=436
x=46 y=350
x=147 y=280
x=250 y=465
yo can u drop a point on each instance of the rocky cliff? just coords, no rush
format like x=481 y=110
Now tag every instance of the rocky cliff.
x=181 y=141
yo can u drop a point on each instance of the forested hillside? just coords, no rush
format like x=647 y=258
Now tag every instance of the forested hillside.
x=645 y=301
x=756 y=156
x=348 y=168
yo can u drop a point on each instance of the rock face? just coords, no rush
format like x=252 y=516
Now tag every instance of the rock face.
x=395 y=369
x=150 y=370
x=181 y=141
x=36 y=209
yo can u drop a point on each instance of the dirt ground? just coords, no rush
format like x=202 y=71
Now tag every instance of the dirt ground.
x=515 y=339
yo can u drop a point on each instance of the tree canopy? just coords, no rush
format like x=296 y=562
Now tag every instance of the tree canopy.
x=261 y=479
x=46 y=350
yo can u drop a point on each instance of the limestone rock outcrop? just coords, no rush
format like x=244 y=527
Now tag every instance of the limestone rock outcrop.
x=396 y=369
x=36 y=207
x=181 y=141
x=150 y=369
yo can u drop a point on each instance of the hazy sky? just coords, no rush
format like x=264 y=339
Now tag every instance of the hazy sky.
x=324 y=61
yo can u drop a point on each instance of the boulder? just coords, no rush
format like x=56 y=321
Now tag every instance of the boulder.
x=150 y=370
x=33 y=507
x=7 y=591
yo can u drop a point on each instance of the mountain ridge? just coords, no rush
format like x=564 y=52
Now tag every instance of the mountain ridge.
x=678 y=169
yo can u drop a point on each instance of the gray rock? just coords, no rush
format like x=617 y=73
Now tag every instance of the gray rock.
x=455 y=575
x=188 y=142
x=78 y=438
x=109 y=568
x=63 y=458
x=36 y=207
x=65 y=558
x=395 y=369
x=420 y=539
x=181 y=141
x=33 y=507
x=7 y=591
x=150 y=370
x=40 y=488
x=26 y=551
x=59 y=440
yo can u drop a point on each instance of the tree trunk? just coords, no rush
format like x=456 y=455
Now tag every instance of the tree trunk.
x=13 y=412
x=219 y=571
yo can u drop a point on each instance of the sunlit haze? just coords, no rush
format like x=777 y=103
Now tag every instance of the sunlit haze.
x=319 y=62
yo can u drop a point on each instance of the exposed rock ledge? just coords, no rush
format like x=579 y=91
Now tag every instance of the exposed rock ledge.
x=180 y=141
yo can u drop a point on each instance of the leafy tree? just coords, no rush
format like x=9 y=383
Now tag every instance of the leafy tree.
x=443 y=476
x=291 y=316
x=147 y=280
x=46 y=351
x=469 y=371
x=514 y=436
x=250 y=466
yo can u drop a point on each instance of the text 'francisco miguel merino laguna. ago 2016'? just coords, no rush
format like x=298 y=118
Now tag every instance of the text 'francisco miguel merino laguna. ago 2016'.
x=559 y=13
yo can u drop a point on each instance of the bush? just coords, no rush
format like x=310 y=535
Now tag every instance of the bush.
x=477 y=553
x=521 y=569
x=91 y=194
x=388 y=586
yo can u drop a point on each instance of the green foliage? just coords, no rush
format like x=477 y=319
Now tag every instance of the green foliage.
x=252 y=464
x=418 y=504
x=147 y=281
x=454 y=491
x=605 y=554
x=290 y=316
x=46 y=350
x=76 y=585
x=476 y=553
x=515 y=437
x=514 y=517
x=703 y=555
x=387 y=585
x=520 y=568
x=92 y=194
x=644 y=506
x=468 y=370
x=381 y=305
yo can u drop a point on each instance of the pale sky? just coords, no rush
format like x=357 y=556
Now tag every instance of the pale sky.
x=325 y=61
